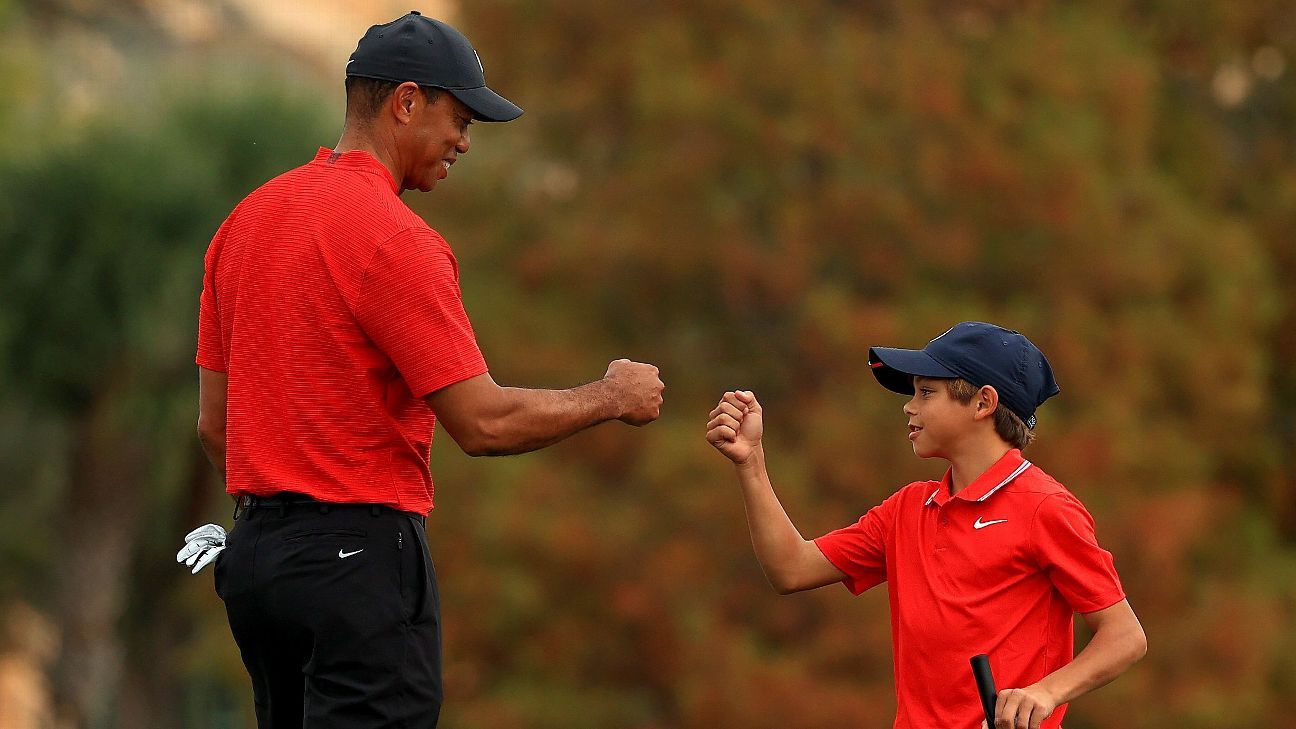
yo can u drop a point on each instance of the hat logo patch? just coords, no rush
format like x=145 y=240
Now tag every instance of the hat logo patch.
x=947 y=331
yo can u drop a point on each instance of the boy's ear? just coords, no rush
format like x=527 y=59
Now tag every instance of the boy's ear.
x=986 y=401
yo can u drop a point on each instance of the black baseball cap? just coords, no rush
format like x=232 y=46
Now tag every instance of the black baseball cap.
x=429 y=53
x=983 y=354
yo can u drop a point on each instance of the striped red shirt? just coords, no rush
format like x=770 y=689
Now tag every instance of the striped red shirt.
x=334 y=309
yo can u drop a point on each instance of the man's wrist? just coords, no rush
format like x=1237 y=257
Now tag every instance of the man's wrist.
x=609 y=398
x=599 y=398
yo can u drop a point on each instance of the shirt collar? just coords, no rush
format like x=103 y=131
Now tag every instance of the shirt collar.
x=1007 y=468
x=356 y=159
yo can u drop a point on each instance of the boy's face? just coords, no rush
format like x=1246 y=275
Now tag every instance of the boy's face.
x=937 y=421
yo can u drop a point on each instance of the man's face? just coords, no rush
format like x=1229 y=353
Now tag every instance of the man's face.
x=437 y=135
x=937 y=421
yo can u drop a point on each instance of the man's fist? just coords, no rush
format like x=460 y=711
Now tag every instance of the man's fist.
x=637 y=388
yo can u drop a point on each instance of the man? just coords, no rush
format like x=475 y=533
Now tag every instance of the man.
x=331 y=336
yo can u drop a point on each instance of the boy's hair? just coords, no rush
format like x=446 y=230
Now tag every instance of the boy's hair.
x=1007 y=425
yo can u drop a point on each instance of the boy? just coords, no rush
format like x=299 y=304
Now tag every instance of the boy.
x=993 y=558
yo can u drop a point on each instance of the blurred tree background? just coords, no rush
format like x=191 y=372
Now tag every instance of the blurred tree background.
x=748 y=194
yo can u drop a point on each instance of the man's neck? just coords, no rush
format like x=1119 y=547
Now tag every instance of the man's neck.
x=355 y=139
x=973 y=460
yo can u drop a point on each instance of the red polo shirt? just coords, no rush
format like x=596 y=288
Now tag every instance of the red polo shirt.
x=999 y=569
x=334 y=309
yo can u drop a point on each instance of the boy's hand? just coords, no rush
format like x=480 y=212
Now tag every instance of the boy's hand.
x=1023 y=708
x=736 y=426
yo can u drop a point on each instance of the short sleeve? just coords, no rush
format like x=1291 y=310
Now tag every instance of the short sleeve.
x=859 y=550
x=1066 y=548
x=211 y=342
x=411 y=307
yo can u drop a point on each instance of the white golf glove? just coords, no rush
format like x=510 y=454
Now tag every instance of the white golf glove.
x=201 y=546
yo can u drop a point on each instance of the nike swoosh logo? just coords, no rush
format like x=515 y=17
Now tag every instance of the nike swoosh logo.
x=344 y=555
x=983 y=524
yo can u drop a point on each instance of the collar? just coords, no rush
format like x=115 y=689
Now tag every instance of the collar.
x=1004 y=470
x=358 y=160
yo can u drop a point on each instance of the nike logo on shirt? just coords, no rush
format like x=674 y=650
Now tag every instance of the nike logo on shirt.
x=983 y=524
x=344 y=555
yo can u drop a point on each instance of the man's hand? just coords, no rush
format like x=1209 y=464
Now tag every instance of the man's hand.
x=638 y=390
x=736 y=426
x=201 y=546
x=1023 y=708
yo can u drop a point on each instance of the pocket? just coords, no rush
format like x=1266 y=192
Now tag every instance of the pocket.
x=418 y=582
x=333 y=533
x=218 y=570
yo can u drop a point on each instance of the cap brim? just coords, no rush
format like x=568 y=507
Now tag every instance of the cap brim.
x=896 y=368
x=487 y=105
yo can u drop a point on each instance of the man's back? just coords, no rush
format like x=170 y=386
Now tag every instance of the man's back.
x=333 y=308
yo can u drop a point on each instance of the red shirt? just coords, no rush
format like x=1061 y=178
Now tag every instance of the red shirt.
x=999 y=569
x=334 y=309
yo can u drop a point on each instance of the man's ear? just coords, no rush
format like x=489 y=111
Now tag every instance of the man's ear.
x=986 y=401
x=403 y=101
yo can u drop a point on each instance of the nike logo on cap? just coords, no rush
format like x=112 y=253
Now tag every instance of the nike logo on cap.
x=983 y=524
x=344 y=555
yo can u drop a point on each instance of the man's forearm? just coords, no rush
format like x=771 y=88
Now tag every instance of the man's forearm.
x=215 y=450
x=488 y=420
x=533 y=419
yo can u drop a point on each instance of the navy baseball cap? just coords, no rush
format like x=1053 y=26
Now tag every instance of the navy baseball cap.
x=983 y=354
x=429 y=53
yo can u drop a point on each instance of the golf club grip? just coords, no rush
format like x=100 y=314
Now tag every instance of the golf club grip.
x=985 y=686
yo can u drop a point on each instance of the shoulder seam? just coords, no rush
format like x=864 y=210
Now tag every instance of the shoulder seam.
x=1030 y=529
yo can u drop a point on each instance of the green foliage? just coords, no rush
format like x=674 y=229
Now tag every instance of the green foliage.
x=102 y=235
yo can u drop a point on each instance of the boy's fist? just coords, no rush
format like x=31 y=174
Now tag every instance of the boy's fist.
x=736 y=426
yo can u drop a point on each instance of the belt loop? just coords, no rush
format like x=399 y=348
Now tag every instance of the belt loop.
x=283 y=508
x=374 y=510
x=324 y=508
x=239 y=508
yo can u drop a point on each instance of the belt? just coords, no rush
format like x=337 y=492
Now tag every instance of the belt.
x=284 y=499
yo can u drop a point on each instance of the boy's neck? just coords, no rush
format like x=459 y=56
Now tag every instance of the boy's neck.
x=973 y=460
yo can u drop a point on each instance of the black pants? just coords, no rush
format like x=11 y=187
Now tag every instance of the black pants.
x=335 y=610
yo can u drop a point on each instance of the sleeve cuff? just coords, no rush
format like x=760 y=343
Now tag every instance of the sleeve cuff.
x=852 y=584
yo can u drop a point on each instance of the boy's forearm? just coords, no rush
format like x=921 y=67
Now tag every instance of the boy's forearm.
x=775 y=539
x=1114 y=647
